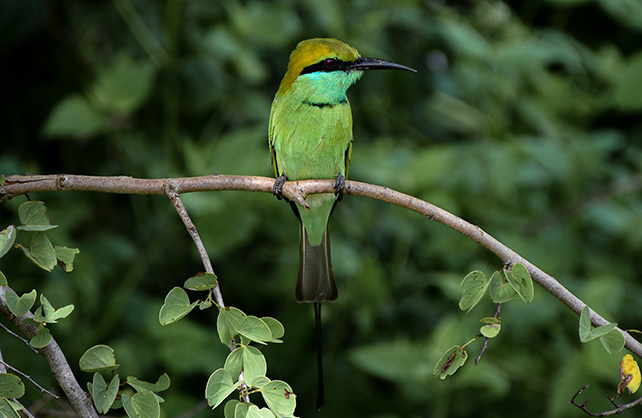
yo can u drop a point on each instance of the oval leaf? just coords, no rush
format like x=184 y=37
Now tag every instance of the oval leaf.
x=452 y=360
x=41 y=339
x=254 y=364
x=162 y=384
x=500 y=289
x=175 y=307
x=235 y=409
x=143 y=405
x=20 y=305
x=219 y=386
x=279 y=397
x=520 y=279
x=475 y=285
x=587 y=331
x=11 y=386
x=613 y=341
x=254 y=412
x=202 y=281
x=99 y=358
x=7 y=238
x=255 y=329
x=234 y=362
x=33 y=216
x=276 y=328
x=228 y=323
x=104 y=395
x=7 y=409
x=41 y=252
x=492 y=327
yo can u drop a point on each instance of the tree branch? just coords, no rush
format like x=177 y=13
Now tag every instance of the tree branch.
x=297 y=191
x=617 y=411
x=79 y=399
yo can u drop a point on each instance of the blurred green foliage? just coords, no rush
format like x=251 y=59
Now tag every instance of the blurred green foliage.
x=524 y=118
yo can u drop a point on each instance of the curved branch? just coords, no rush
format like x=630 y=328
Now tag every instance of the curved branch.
x=297 y=191
x=79 y=399
x=619 y=409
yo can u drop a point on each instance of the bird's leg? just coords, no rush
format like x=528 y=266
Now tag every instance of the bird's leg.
x=339 y=184
x=277 y=189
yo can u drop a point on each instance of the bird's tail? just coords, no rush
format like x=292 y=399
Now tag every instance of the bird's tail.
x=316 y=281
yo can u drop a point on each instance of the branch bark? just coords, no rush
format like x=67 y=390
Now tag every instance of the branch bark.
x=297 y=191
x=79 y=399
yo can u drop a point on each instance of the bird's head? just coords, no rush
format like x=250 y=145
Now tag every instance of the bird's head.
x=325 y=68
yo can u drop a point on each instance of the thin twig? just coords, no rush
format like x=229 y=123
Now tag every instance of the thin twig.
x=175 y=198
x=297 y=191
x=26 y=376
x=616 y=411
x=497 y=314
x=24 y=340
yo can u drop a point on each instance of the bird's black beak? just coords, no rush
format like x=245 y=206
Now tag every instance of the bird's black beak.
x=377 y=64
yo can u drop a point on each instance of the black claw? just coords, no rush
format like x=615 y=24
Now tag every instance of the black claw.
x=277 y=189
x=339 y=184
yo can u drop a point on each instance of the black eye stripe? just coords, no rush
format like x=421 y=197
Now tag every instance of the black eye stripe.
x=326 y=65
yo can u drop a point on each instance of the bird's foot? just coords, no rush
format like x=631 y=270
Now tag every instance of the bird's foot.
x=339 y=184
x=277 y=189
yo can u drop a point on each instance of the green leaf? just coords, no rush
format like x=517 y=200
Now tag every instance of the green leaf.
x=3 y=280
x=7 y=238
x=228 y=323
x=255 y=329
x=452 y=360
x=123 y=85
x=234 y=362
x=11 y=386
x=41 y=339
x=279 y=397
x=613 y=341
x=20 y=305
x=254 y=364
x=175 y=307
x=65 y=257
x=475 y=285
x=236 y=409
x=75 y=117
x=7 y=410
x=260 y=381
x=254 y=412
x=41 y=252
x=520 y=279
x=48 y=314
x=492 y=327
x=204 y=304
x=141 y=405
x=587 y=331
x=104 y=395
x=276 y=328
x=162 y=384
x=500 y=289
x=33 y=215
x=629 y=84
x=99 y=358
x=219 y=386
x=202 y=281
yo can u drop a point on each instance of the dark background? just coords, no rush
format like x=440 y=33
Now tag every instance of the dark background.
x=524 y=118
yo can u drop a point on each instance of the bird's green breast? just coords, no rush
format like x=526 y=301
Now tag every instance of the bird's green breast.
x=310 y=136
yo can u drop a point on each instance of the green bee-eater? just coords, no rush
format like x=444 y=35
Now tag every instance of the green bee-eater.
x=310 y=137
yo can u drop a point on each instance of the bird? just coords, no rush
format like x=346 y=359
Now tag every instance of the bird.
x=310 y=137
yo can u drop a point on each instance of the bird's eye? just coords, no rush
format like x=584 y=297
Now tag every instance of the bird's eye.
x=330 y=63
